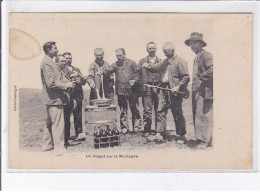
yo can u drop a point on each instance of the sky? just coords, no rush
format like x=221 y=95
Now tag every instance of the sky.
x=81 y=33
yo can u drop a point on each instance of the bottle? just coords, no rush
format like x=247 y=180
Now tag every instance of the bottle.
x=103 y=133
x=104 y=138
x=95 y=133
x=109 y=132
x=115 y=131
x=116 y=138
x=110 y=137
x=96 y=138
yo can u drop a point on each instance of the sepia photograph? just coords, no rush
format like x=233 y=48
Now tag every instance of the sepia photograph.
x=130 y=91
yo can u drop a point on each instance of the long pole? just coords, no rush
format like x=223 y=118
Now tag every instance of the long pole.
x=102 y=82
x=152 y=86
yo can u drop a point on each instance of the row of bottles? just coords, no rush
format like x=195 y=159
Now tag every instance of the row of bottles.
x=105 y=131
x=105 y=137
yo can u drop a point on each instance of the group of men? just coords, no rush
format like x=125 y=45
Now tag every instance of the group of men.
x=162 y=84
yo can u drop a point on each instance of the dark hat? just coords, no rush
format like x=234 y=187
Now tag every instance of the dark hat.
x=195 y=36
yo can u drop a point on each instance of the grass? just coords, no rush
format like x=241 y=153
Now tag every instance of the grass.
x=32 y=117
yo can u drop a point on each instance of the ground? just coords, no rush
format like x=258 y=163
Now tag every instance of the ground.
x=33 y=116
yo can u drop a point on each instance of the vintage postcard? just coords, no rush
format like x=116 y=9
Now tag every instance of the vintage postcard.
x=130 y=91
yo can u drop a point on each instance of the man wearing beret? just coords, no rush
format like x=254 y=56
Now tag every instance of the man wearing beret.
x=202 y=90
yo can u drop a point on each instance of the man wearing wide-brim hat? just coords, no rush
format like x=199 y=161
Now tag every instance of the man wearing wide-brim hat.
x=202 y=90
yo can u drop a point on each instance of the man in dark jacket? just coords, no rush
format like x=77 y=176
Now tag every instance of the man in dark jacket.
x=76 y=96
x=175 y=76
x=54 y=98
x=108 y=80
x=150 y=97
x=202 y=90
x=126 y=75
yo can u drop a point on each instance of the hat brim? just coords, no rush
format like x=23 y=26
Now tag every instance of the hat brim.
x=187 y=42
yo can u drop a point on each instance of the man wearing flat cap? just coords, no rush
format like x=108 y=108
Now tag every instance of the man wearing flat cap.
x=202 y=90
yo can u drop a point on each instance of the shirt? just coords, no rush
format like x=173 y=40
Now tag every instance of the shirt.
x=176 y=69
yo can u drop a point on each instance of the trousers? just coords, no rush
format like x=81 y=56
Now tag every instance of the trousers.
x=53 y=132
x=173 y=102
x=202 y=117
x=123 y=101
x=77 y=114
x=150 y=100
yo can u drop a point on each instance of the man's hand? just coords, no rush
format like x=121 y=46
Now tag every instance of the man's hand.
x=100 y=72
x=92 y=85
x=74 y=74
x=74 y=104
x=132 y=82
x=175 y=90
x=84 y=79
x=70 y=85
x=165 y=79
x=110 y=84
x=78 y=80
x=146 y=65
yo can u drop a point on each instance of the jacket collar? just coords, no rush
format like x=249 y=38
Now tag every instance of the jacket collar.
x=59 y=69
x=100 y=65
x=156 y=59
x=199 y=55
x=124 y=64
x=47 y=58
x=64 y=71
x=172 y=59
x=97 y=66
x=68 y=68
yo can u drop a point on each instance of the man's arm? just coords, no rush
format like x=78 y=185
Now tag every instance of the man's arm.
x=48 y=74
x=110 y=69
x=156 y=67
x=90 y=78
x=83 y=79
x=111 y=76
x=135 y=69
x=139 y=71
x=183 y=74
x=208 y=67
x=91 y=71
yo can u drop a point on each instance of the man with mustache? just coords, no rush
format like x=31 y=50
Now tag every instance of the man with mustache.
x=76 y=97
x=150 y=97
x=126 y=76
x=94 y=77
